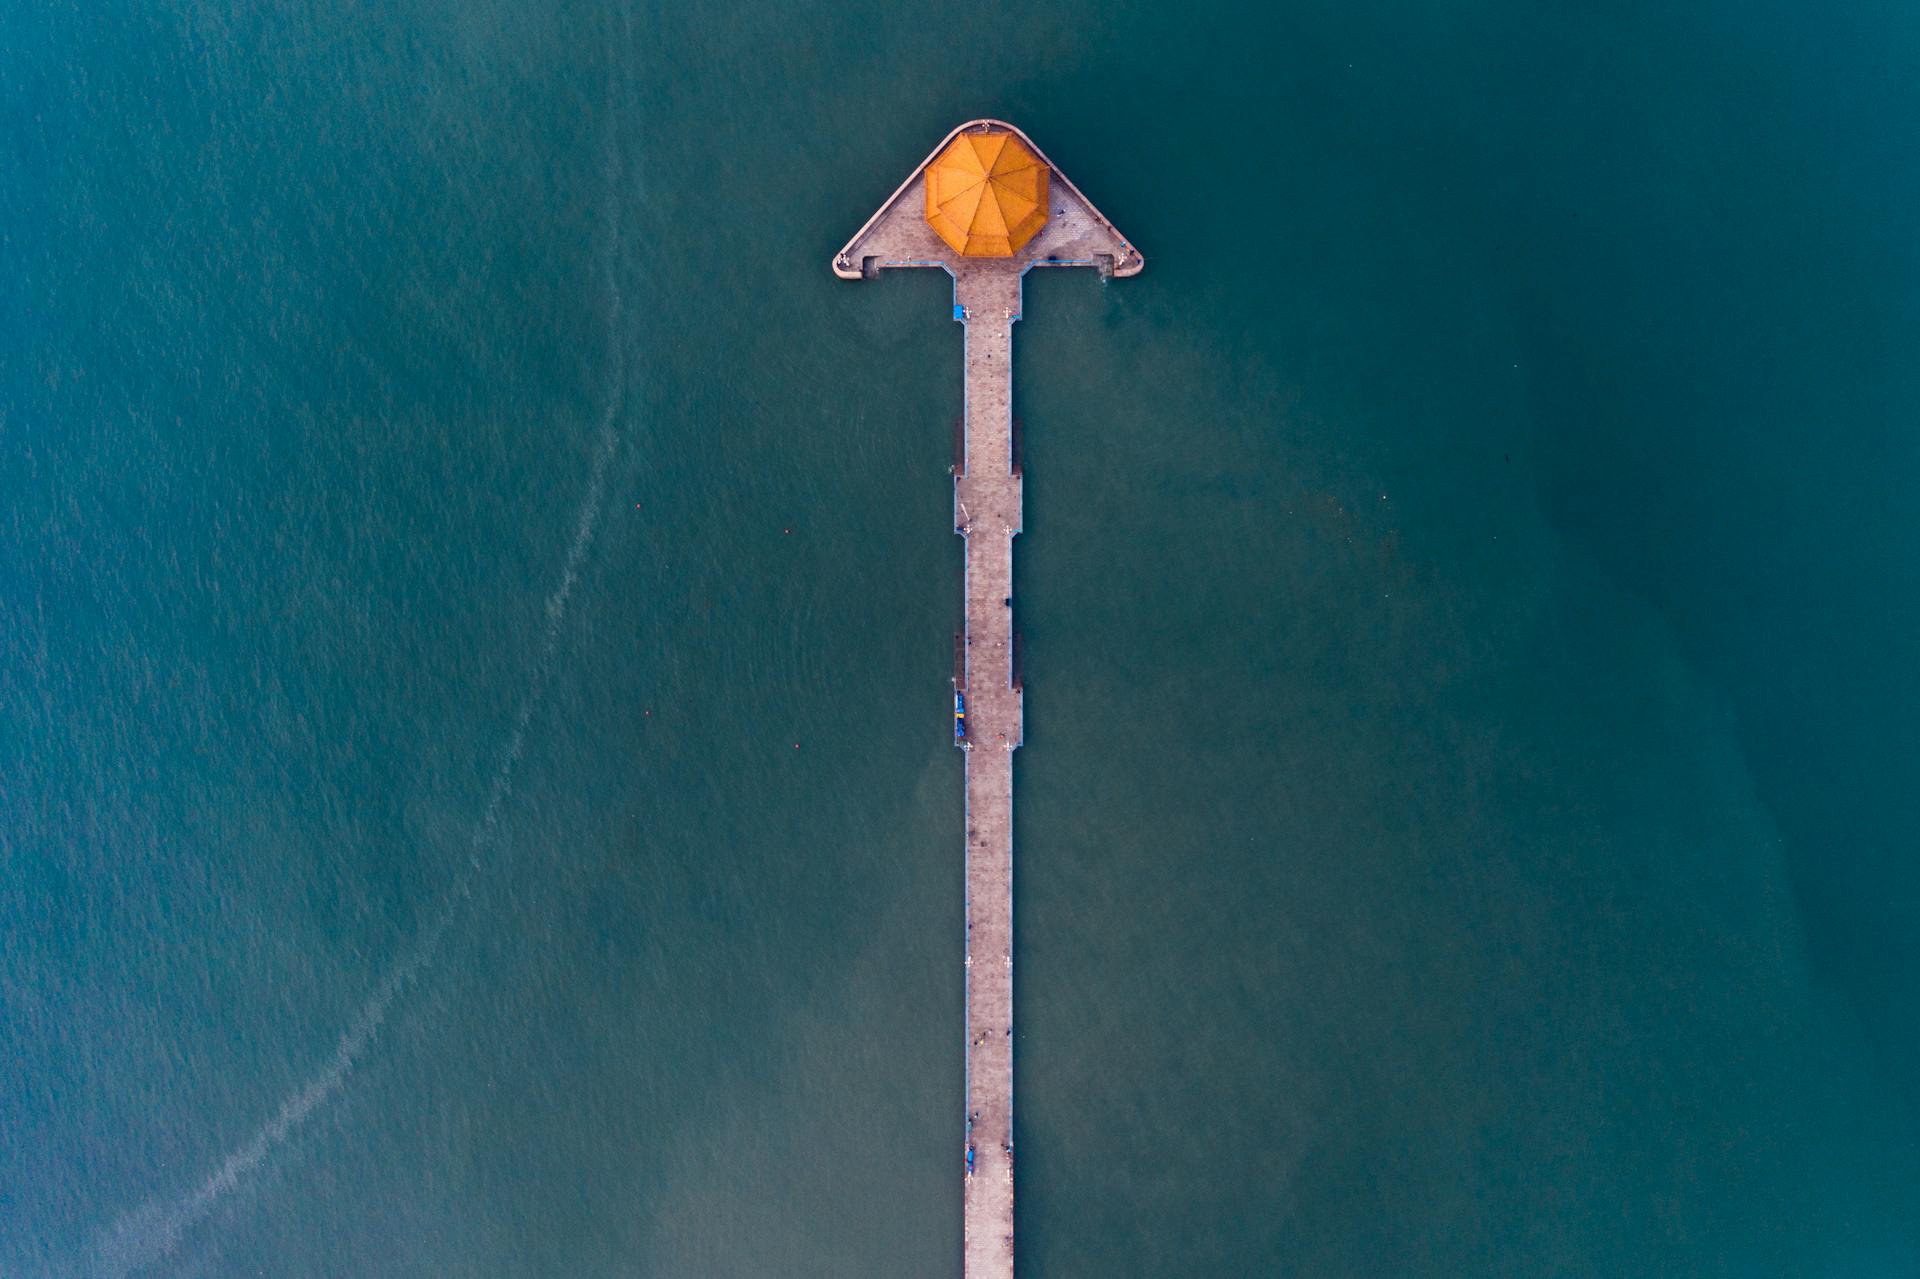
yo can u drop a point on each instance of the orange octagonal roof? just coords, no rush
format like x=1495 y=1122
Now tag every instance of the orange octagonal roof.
x=987 y=194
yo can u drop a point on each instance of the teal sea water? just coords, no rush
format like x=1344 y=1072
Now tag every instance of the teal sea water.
x=475 y=599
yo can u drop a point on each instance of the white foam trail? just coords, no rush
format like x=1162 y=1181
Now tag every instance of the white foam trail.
x=153 y=1231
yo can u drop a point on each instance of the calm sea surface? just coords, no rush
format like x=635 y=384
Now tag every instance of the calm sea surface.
x=475 y=612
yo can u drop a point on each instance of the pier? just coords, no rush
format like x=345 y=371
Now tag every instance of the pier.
x=986 y=206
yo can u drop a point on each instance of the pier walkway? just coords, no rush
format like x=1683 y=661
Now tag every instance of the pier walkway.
x=987 y=513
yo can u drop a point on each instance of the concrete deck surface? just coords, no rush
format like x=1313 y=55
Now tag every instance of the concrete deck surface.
x=987 y=513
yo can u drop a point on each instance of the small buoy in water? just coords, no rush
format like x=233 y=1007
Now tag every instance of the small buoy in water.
x=796 y=746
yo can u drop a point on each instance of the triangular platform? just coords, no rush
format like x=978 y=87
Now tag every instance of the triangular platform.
x=1076 y=234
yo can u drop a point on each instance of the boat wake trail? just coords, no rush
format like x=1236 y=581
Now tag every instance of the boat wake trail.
x=153 y=1231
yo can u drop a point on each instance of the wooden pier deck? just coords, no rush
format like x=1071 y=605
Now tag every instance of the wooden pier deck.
x=987 y=513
